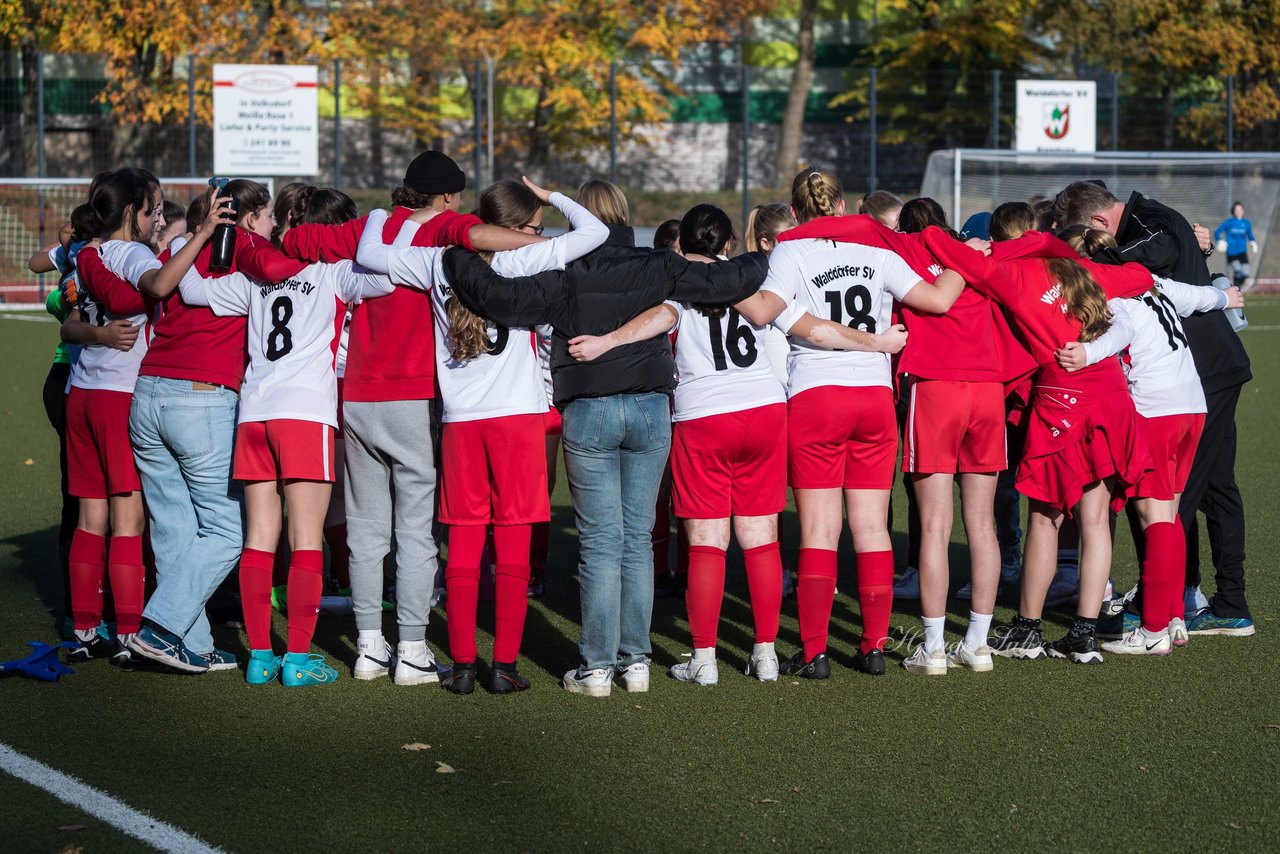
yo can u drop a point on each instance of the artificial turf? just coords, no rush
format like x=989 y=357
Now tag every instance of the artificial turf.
x=1180 y=753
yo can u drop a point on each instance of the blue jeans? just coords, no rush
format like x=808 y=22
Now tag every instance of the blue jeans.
x=615 y=450
x=182 y=442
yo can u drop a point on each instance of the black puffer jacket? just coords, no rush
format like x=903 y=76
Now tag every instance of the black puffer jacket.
x=1160 y=239
x=595 y=295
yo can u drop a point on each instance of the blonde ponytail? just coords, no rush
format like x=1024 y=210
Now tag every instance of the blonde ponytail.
x=1084 y=298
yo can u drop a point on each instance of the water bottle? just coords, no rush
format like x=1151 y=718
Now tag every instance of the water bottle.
x=1234 y=315
x=223 y=242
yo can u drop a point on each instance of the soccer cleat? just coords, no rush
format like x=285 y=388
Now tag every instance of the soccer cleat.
x=415 y=664
x=698 y=672
x=155 y=644
x=1118 y=625
x=95 y=646
x=1078 y=649
x=503 y=679
x=1065 y=586
x=462 y=679
x=1205 y=622
x=1014 y=641
x=978 y=660
x=263 y=667
x=871 y=663
x=816 y=668
x=908 y=586
x=120 y=655
x=1193 y=602
x=1178 y=634
x=926 y=663
x=763 y=663
x=1141 y=642
x=592 y=683
x=300 y=669
x=635 y=677
x=220 y=659
x=537 y=586
x=374 y=659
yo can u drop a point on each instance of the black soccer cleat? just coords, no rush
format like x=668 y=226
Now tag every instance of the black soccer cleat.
x=503 y=679
x=818 y=668
x=462 y=680
x=870 y=663
x=97 y=647
x=1079 y=649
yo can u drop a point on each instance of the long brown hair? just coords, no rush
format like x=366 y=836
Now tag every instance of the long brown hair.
x=1085 y=240
x=1011 y=220
x=883 y=206
x=506 y=204
x=1084 y=298
x=918 y=214
x=815 y=193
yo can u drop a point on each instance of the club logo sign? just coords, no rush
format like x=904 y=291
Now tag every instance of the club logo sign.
x=1057 y=120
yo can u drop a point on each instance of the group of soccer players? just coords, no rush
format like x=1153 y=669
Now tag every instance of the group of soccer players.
x=207 y=395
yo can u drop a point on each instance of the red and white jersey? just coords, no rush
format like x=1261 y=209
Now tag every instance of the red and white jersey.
x=845 y=283
x=294 y=328
x=542 y=335
x=102 y=367
x=723 y=365
x=506 y=379
x=1159 y=367
x=340 y=364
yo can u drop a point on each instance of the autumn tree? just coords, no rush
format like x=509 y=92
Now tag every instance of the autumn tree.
x=25 y=26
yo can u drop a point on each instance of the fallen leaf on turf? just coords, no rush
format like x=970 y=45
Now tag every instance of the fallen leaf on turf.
x=28 y=462
x=764 y=801
x=70 y=827
x=415 y=746
x=1143 y=768
x=796 y=682
x=443 y=767
x=1271 y=726
x=795 y=789
x=1233 y=825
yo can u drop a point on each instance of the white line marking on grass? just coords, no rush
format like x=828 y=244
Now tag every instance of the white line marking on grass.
x=99 y=804
x=1260 y=329
x=30 y=318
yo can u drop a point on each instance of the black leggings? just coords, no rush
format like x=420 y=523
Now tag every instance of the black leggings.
x=55 y=407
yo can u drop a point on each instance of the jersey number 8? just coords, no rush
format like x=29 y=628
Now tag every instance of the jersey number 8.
x=857 y=302
x=280 y=339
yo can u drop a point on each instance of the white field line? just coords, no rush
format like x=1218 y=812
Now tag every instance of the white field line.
x=33 y=317
x=100 y=805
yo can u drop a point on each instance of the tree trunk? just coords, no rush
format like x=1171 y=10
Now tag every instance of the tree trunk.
x=30 y=130
x=539 y=138
x=787 y=160
x=377 y=175
x=1166 y=136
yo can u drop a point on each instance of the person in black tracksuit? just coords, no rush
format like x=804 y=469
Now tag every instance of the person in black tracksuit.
x=1162 y=240
x=617 y=418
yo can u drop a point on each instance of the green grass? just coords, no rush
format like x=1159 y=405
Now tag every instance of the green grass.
x=1178 y=754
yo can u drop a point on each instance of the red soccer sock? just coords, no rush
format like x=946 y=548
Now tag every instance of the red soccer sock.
x=1158 y=571
x=875 y=595
x=511 y=590
x=128 y=580
x=462 y=586
x=704 y=593
x=539 y=547
x=815 y=594
x=764 y=580
x=87 y=563
x=1178 y=579
x=255 y=596
x=335 y=537
x=306 y=585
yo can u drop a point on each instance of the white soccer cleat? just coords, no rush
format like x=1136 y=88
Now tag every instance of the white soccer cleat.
x=1141 y=642
x=704 y=672
x=1178 y=633
x=374 y=659
x=763 y=663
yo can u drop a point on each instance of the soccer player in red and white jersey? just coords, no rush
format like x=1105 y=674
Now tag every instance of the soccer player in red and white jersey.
x=1084 y=446
x=285 y=438
x=494 y=434
x=842 y=435
x=1170 y=401
x=120 y=279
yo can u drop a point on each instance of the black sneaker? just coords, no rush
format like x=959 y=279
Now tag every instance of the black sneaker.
x=1081 y=649
x=97 y=647
x=871 y=663
x=503 y=679
x=1014 y=641
x=462 y=680
x=818 y=668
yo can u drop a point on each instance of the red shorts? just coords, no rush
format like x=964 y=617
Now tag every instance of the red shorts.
x=955 y=427
x=733 y=464
x=494 y=471
x=99 y=455
x=554 y=422
x=284 y=449
x=1172 y=440
x=841 y=437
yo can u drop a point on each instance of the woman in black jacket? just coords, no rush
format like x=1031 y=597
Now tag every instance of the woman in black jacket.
x=617 y=417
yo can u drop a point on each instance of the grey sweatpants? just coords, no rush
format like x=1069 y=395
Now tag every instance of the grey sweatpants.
x=391 y=487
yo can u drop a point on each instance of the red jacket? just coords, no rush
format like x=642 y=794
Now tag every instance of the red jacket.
x=390 y=344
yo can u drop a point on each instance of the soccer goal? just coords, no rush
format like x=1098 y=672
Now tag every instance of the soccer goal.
x=32 y=210
x=1201 y=186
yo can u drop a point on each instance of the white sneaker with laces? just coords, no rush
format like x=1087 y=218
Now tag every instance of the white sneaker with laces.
x=415 y=664
x=592 y=683
x=926 y=663
x=763 y=663
x=1178 y=634
x=635 y=677
x=1141 y=642
x=978 y=660
x=699 y=672
x=374 y=659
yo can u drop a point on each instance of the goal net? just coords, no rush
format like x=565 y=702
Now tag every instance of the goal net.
x=1202 y=187
x=32 y=210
